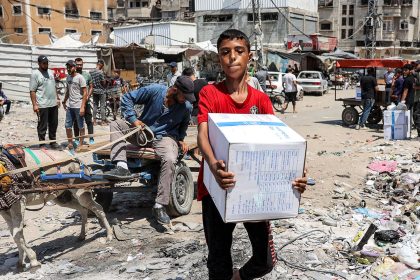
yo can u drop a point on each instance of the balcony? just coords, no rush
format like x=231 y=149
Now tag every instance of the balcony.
x=392 y=11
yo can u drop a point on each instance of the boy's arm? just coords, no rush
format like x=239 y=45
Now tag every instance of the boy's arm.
x=218 y=168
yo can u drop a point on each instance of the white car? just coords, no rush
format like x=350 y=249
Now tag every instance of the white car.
x=313 y=81
x=276 y=80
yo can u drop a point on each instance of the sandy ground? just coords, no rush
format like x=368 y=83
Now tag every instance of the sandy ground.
x=334 y=153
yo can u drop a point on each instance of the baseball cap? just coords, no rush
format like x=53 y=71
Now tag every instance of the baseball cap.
x=71 y=63
x=101 y=61
x=42 y=58
x=186 y=85
x=173 y=64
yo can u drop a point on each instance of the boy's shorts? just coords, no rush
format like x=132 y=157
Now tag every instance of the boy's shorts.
x=291 y=96
x=73 y=114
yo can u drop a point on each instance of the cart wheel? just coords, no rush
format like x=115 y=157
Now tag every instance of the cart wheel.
x=375 y=115
x=350 y=116
x=103 y=198
x=182 y=191
x=277 y=101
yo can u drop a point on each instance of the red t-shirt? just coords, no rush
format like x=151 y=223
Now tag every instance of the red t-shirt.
x=215 y=99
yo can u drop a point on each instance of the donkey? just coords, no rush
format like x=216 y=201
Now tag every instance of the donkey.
x=78 y=199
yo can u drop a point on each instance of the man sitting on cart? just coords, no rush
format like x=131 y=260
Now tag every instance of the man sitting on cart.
x=167 y=113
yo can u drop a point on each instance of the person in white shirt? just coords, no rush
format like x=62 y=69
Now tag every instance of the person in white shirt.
x=171 y=77
x=290 y=90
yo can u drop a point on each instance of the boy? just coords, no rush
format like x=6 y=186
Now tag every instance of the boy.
x=232 y=95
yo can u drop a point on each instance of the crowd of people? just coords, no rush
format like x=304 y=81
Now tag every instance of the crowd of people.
x=402 y=87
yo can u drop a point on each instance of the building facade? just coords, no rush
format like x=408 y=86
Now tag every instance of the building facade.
x=34 y=21
x=294 y=17
x=397 y=31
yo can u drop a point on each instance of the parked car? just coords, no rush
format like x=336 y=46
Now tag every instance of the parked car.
x=276 y=79
x=313 y=81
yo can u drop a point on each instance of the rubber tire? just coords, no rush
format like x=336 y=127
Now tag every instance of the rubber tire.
x=350 y=116
x=375 y=115
x=277 y=102
x=103 y=198
x=182 y=192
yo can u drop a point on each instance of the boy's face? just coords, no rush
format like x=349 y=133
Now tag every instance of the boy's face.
x=234 y=57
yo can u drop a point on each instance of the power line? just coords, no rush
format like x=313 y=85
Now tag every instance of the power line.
x=288 y=20
x=25 y=12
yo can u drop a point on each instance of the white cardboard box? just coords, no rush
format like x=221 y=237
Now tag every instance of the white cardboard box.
x=396 y=117
x=397 y=125
x=266 y=156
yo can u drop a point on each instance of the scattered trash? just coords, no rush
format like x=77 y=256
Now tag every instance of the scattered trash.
x=383 y=166
x=391 y=236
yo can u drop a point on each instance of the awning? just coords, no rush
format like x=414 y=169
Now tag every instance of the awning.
x=365 y=63
x=170 y=49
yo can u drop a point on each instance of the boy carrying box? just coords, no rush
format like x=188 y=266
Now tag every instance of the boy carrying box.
x=233 y=96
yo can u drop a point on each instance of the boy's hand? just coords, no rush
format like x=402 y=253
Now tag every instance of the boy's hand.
x=300 y=183
x=223 y=178
x=184 y=147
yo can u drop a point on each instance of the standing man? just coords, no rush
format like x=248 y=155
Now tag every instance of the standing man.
x=4 y=100
x=416 y=110
x=290 y=90
x=45 y=101
x=173 y=74
x=369 y=87
x=261 y=76
x=388 y=76
x=397 y=86
x=167 y=113
x=88 y=108
x=76 y=94
x=408 y=95
x=234 y=96
x=198 y=85
x=99 y=95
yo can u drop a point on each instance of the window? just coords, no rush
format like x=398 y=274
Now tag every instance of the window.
x=350 y=33
x=44 y=11
x=44 y=30
x=351 y=10
x=364 y=2
x=343 y=21
x=95 y=32
x=351 y=21
x=326 y=3
x=388 y=25
x=70 y=31
x=265 y=17
x=403 y=25
x=18 y=30
x=407 y=2
x=145 y=4
x=218 y=18
x=344 y=10
x=72 y=13
x=120 y=3
x=95 y=15
x=135 y=4
x=1 y=11
x=325 y=26
x=17 y=10
x=171 y=14
x=343 y=33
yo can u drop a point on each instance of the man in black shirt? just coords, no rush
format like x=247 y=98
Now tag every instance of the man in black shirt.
x=198 y=85
x=408 y=90
x=369 y=87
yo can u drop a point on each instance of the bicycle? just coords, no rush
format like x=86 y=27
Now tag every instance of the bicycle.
x=277 y=99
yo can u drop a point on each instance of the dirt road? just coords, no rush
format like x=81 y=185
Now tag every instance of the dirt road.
x=335 y=153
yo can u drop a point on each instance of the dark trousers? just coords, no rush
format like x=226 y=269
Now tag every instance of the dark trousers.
x=219 y=242
x=47 y=118
x=88 y=121
x=7 y=103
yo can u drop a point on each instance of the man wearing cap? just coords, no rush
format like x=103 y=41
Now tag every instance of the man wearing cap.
x=167 y=114
x=171 y=77
x=45 y=101
x=261 y=76
x=99 y=95
x=76 y=95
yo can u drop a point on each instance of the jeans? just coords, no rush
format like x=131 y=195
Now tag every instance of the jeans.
x=88 y=120
x=219 y=242
x=99 y=101
x=73 y=115
x=7 y=103
x=367 y=107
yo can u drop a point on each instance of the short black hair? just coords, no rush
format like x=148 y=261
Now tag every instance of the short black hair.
x=370 y=70
x=408 y=67
x=79 y=59
x=398 y=71
x=289 y=70
x=231 y=34
x=188 y=72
